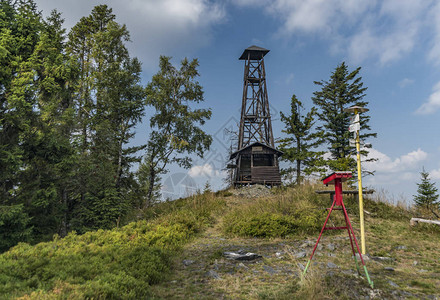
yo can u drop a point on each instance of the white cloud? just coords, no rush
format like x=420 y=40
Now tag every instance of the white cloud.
x=385 y=164
x=205 y=170
x=390 y=171
x=169 y=27
x=435 y=174
x=405 y=82
x=382 y=30
x=433 y=103
x=434 y=54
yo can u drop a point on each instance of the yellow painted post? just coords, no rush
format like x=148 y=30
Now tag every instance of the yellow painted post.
x=361 y=200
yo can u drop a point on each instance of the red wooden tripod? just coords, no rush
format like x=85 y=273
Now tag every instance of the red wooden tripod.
x=337 y=178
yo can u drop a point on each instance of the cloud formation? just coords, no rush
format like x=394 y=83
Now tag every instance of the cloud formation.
x=381 y=30
x=433 y=102
x=206 y=170
x=435 y=174
x=393 y=171
x=168 y=27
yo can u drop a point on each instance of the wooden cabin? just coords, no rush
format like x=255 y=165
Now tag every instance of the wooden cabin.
x=257 y=163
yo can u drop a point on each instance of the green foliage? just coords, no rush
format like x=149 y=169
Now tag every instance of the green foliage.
x=14 y=226
x=299 y=144
x=176 y=130
x=262 y=225
x=116 y=264
x=294 y=212
x=344 y=89
x=427 y=194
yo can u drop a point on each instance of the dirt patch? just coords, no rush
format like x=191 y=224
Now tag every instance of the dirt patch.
x=252 y=191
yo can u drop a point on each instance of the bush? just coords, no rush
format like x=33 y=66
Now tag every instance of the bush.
x=104 y=264
x=263 y=225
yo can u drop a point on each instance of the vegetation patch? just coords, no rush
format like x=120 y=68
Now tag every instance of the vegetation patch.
x=104 y=264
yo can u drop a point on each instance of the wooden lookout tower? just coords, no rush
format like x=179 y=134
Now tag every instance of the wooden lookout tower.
x=256 y=160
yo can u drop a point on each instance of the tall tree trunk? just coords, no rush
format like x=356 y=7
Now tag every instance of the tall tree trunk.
x=63 y=231
x=150 y=187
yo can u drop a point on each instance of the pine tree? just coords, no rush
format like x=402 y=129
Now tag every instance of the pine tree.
x=300 y=141
x=427 y=194
x=344 y=89
x=175 y=125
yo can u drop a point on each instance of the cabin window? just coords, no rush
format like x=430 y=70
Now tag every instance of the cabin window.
x=245 y=162
x=263 y=160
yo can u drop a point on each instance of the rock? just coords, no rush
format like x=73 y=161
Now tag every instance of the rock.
x=213 y=274
x=242 y=265
x=331 y=265
x=241 y=256
x=381 y=258
x=331 y=247
x=366 y=257
x=332 y=255
x=301 y=266
x=279 y=254
x=269 y=270
x=389 y=269
x=423 y=271
x=187 y=262
x=392 y=284
x=401 y=247
x=300 y=254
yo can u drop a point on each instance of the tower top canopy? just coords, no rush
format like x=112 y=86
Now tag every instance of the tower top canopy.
x=254 y=52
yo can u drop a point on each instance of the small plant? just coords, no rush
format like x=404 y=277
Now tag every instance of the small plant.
x=427 y=194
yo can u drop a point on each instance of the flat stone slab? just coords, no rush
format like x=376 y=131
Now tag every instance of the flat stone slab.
x=241 y=256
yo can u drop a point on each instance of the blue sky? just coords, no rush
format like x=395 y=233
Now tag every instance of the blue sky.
x=396 y=42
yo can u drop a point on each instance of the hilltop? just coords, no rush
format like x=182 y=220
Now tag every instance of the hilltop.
x=177 y=251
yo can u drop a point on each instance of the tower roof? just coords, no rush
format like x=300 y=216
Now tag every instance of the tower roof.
x=255 y=53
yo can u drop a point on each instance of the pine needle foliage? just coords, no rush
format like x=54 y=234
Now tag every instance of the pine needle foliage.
x=299 y=145
x=344 y=89
x=427 y=193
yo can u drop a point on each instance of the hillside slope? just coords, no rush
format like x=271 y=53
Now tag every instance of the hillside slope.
x=178 y=252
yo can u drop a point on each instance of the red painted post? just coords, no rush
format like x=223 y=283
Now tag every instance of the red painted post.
x=338 y=191
x=337 y=178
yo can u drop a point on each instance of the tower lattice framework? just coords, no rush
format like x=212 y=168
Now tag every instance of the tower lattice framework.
x=255 y=122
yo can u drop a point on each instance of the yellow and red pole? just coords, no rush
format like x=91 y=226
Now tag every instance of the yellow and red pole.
x=361 y=200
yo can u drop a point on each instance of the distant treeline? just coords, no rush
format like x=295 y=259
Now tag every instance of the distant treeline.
x=68 y=107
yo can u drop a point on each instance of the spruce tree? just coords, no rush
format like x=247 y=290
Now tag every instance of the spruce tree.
x=300 y=141
x=110 y=102
x=344 y=89
x=427 y=194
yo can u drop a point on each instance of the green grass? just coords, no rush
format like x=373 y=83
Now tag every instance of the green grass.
x=105 y=264
x=144 y=258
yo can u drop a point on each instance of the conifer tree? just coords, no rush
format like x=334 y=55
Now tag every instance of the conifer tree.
x=300 y=141
x=427 y=194
x=344 y=89
x=110 y=102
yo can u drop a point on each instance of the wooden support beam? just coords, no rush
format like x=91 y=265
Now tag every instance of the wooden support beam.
x=415 y=221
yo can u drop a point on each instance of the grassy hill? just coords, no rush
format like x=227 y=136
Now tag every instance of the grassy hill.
x=177 y=252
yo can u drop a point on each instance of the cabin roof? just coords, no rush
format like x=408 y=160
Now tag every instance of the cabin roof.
x=233 y=155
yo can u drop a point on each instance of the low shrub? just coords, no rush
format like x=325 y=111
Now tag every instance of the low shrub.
x=104 y=264
x=263 y=225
